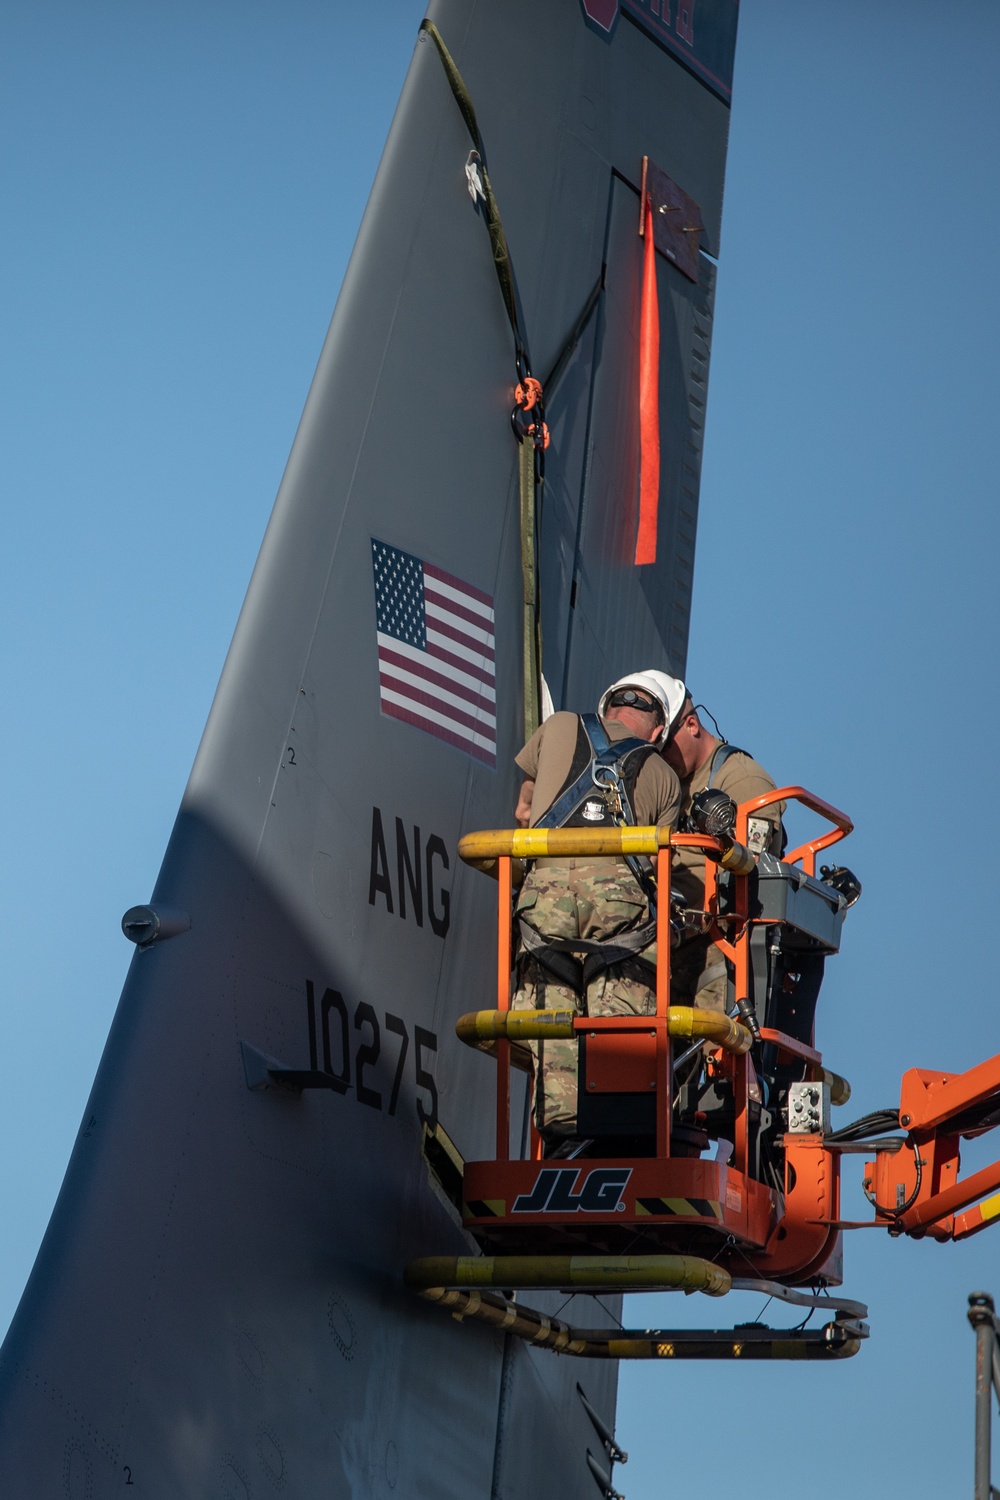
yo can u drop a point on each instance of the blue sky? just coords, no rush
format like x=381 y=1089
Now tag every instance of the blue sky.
x=182 y=185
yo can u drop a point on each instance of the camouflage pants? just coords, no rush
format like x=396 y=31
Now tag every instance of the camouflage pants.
x=698 y=975
x=592 y=900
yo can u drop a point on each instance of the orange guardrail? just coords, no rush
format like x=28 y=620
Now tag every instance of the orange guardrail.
x=498 y=852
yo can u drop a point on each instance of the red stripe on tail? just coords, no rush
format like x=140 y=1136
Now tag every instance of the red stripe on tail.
x=649 y=403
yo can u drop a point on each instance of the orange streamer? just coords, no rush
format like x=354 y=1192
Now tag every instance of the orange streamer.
x=649 y=403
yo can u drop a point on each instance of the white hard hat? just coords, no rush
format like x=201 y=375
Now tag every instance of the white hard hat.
x=669 y=692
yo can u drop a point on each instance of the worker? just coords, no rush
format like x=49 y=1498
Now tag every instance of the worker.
x=584 y=925
x=702 y=760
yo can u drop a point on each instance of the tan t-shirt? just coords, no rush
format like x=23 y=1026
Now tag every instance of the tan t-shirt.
x=548 y=756
x=741 y=778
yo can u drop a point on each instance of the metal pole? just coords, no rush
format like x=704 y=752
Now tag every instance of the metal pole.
x=981 y=1316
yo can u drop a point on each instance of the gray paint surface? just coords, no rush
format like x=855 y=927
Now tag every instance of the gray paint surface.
x=216 y=1308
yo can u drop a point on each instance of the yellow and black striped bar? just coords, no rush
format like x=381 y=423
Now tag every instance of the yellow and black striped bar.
x=679 y=1208
x=837 y=1340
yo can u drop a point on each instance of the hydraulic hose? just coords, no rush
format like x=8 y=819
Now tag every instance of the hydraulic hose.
x=878 y=1122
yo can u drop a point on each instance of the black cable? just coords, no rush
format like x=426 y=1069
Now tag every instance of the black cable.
x=771 y=1165
x=876 y=1123
x=610 y=1314
x=700 y=708
x=554 y=376
x=902 y=1208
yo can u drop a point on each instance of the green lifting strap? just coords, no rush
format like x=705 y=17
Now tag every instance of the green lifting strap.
x=529 y=478
x=501 y=254
x=532 y=630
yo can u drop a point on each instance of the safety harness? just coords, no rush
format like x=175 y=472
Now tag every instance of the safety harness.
x=722 y=754
x=598 y=794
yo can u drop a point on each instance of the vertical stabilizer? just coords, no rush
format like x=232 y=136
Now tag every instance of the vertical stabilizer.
x=217 y=1306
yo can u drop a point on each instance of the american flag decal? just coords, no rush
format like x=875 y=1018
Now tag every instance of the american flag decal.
x=436 y=651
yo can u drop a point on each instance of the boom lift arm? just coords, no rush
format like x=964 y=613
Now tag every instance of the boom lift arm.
x=920 y=1192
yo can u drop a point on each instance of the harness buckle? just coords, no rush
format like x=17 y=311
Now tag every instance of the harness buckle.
x=607 y=780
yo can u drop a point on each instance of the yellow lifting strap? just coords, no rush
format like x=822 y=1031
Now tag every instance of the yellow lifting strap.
x=482 y=1028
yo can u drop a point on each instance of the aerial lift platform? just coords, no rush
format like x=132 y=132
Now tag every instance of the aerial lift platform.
x=763 y=1213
